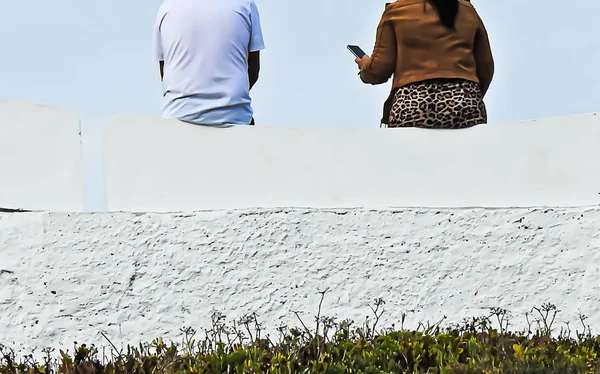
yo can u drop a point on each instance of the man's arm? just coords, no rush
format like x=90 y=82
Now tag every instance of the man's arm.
x=255 y=46
x=157 y=49
x=253 y=67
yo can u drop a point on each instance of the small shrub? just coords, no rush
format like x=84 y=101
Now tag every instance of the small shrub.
x=334 y=347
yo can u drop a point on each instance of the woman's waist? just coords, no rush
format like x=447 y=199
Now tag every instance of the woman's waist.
x=404 y=77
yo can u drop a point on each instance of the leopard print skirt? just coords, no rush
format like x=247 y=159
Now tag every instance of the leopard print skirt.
x=438 y=103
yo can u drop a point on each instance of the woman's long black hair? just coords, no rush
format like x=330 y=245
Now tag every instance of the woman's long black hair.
x=447 y=10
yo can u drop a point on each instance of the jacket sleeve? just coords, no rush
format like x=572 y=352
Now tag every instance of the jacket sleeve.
x=483 y=58
x=382 y=63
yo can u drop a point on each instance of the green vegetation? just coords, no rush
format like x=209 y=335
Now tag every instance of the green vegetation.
x=479 y=345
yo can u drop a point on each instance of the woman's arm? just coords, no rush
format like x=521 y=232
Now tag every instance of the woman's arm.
x=483 y=58
x=381 y=65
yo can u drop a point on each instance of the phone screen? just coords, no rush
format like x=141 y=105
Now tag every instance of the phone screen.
x=356 y=51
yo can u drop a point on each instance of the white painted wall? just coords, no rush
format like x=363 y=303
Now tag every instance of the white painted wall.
x=68 y=277
x=40 y=158
x=166 y=166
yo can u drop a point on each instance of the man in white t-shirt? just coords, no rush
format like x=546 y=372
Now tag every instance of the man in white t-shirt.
x=208 y=53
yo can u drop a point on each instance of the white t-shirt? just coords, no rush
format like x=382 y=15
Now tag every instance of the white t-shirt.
x=205 y=45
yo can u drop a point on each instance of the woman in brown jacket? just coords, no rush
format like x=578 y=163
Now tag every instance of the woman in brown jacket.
x=439 y=55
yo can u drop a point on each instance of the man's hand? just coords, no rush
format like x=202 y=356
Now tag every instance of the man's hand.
x=361 y=62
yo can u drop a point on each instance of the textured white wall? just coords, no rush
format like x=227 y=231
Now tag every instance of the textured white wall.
x=168 y=166
x=40 y=158
x=68 y=277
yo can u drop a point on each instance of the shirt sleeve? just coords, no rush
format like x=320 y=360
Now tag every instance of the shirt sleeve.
x=157 y=48
x=382 y=63
x=483 y=58
x=256 y=39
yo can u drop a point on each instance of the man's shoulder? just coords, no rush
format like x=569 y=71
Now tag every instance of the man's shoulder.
x=244 y=7
x=240 y=4
x=244 y=4
x=167 y=4
x=165 y=7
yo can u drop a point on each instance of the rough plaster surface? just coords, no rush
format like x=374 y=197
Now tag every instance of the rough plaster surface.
x=68 y=277
x=155 y=165
x=40 y=158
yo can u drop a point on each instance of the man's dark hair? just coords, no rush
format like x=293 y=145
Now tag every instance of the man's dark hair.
x=447 y=11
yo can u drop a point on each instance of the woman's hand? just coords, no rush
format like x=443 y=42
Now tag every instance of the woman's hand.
x=361 y=62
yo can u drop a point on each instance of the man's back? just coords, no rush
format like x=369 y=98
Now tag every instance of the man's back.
x=205 y=46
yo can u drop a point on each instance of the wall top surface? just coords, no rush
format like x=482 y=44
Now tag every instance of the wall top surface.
x=165 y=166
x=40 y=157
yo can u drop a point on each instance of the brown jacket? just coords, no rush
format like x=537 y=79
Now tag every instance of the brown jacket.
x=413 y=45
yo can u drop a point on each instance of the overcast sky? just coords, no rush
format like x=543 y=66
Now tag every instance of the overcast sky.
x=94 y=58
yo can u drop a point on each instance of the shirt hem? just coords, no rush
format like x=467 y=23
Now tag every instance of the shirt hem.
x=406 y=80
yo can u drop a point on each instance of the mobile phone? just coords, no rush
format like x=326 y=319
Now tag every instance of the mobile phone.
x=356 y=51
